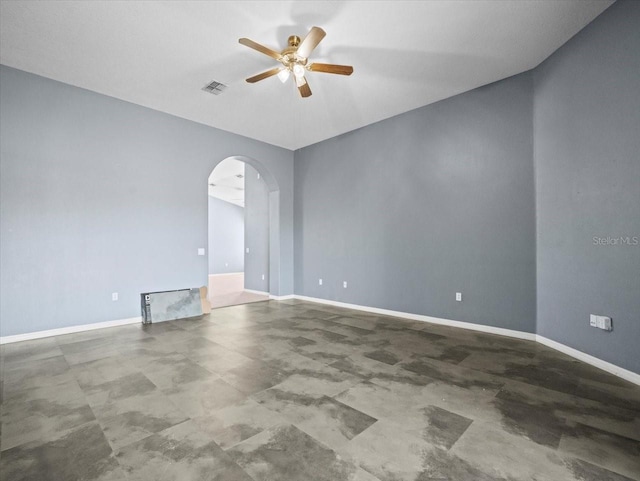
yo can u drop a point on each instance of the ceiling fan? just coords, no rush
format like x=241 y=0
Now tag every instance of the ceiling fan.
x=295 y=60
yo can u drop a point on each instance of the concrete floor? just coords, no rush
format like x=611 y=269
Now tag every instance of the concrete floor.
x=284 y=391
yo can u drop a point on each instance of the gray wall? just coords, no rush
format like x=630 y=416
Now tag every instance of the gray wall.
x=415 y=208
x=226 y=237
x=587 y=160
x=256 y=235
x=98 y=195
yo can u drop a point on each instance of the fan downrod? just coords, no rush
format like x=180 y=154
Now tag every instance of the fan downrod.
x=293 y=41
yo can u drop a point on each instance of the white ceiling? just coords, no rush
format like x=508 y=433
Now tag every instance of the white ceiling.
x=226 y=182
x=405 y=54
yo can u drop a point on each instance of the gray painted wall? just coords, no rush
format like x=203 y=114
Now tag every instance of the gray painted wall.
x=587 y=160
x=98 y=195
x=415 y=208
x=226 y=237
x=256 y=233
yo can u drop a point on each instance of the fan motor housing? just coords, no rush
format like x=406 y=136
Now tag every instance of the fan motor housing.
x=293 y=41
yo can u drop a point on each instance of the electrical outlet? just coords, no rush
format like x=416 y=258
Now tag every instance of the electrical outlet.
x=263 y=277
x=319 y=282
x=247 y=250
x=604 y=323
x=459 y=296
x=601 y=322
x=344 y=284
x=200 y=251
x=114 y=296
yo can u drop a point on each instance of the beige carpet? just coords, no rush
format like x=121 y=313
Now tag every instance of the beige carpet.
x=235 y=298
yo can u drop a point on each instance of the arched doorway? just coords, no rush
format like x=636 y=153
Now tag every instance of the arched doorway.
x=243 y=232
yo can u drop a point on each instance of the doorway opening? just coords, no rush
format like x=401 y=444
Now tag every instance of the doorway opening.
x=239 y=234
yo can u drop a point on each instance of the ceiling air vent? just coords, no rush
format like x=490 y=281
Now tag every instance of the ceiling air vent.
x=214 y=87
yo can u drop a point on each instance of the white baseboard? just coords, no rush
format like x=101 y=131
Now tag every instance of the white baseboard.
x=419 y=317
x=68 y=330
x=594 y=361
x=282 y=298
x=589 y=359
x=227 y=274
x=262 y=293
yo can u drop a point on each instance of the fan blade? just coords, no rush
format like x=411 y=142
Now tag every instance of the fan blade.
x=260 y=48
x=263 y=75
x=311 y=41
x=303 y=86
x=331 y=68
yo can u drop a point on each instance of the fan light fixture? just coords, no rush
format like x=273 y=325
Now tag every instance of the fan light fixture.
x=294 y=59
x=298 y=70
x=283 y=75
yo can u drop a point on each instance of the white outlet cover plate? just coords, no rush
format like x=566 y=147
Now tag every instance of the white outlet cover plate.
x=604 y=323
